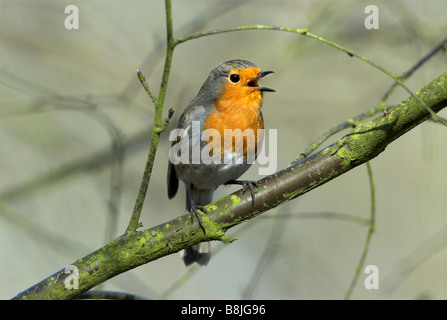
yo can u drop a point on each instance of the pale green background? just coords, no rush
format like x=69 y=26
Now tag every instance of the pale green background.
x=49 y=75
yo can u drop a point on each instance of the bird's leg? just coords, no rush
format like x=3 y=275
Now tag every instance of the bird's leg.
x=194 y=210
x=251 y=184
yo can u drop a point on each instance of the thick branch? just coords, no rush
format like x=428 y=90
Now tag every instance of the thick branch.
x=364 y=143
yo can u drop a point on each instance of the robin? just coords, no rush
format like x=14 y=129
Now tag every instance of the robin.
x=230 y=98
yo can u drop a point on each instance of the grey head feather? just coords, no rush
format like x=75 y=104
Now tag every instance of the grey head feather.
x=215 y=83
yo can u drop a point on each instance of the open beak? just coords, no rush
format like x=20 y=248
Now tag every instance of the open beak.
x=254 y=82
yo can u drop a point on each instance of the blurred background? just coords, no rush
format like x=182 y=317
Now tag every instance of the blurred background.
x=75 y=128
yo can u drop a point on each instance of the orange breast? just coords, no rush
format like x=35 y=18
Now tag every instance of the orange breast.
x=238 y=107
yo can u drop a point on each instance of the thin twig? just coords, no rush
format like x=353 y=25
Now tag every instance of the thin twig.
x=416 y=66
x=415 y=259
x=268 y=254
x=306 y=33
x=380 y=107
x=322 y=215
x=146 y=87
x=134 y=222
x=371 y=230
x=335 y=129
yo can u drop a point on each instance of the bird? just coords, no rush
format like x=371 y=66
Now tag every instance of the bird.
x=229 y=99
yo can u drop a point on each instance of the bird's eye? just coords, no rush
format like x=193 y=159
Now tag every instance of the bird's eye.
x=235 y=78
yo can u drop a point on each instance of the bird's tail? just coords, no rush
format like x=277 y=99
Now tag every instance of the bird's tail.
x=200 y=253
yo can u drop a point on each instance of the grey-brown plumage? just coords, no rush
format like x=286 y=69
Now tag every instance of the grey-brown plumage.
x=201 y=180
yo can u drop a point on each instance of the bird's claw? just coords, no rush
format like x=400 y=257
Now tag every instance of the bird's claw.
x=251 y=184
x=194 y=211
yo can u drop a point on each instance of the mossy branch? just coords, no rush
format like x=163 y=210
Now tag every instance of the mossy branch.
x=131 y=250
